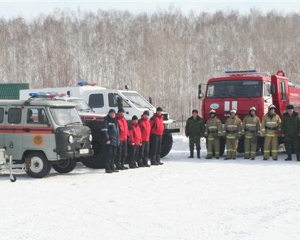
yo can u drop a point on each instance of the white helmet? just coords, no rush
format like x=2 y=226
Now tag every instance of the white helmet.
x=252 y=109
x=233 y=110
x=272 y=107
x=212 y=111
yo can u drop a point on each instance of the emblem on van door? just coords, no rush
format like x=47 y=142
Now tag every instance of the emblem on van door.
x=38 y=140
x=214 y=106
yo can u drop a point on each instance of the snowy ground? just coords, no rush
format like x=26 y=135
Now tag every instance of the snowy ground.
x=183 y=199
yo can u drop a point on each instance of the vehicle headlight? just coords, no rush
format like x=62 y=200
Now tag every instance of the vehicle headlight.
x=90 y=137
x=71 y=139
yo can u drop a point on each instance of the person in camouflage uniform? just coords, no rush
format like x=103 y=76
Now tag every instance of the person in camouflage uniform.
x=251 y=129
x=290 y=128
x=194 y=130
x=233 y=128
x=213 y=131
x=270 y=126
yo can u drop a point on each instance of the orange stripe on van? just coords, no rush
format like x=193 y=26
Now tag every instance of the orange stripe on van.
x=24 y=130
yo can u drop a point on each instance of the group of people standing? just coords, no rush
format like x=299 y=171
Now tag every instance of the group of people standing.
x=251 y=127
x=141 y=137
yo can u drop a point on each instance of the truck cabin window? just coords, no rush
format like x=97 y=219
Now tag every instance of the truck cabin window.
x=241 y=88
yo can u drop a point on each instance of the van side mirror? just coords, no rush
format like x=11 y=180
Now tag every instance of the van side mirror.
x=150 y=100
x=272 y=88
x=119 y=102
x=200 y=94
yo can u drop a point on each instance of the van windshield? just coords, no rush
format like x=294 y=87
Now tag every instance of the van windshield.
x=65 y=116
x=237 y=89
x=81 y=105
x=137 y=100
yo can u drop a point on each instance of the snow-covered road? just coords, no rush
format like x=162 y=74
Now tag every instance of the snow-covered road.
x=183 y=199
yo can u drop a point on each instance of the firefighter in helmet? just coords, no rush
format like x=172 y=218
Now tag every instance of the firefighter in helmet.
x=251 y=129
x=213 y=131
x=290 y=128
x=271 y=124
x=233 y=128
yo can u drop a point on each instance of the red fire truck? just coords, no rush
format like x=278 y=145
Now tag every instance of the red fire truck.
x=244 y=89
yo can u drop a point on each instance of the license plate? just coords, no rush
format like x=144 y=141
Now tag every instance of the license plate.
x=83 y=151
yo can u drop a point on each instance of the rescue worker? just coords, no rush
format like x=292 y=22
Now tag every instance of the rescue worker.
x=213 y=131
x=251 y=128
x=290 y=129
x=145 y=127
x=157 y=130
x=135 y=141
x=194 y=130
x=122 y=148
x=271 y=124
x=233 y=130
x=111 y=135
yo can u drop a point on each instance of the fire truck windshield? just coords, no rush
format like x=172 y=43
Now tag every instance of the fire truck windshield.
x=65 y=116
x=236 y=89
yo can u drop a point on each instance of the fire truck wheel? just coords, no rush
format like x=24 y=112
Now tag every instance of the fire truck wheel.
x=167 y=142
x=40 y=166
x=98 y=159
x=65 y=166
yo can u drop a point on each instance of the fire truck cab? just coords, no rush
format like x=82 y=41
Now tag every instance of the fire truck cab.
x=40 y=133
x=244 y=89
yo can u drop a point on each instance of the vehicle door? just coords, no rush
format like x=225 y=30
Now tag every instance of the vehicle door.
x=2 y=125
x=13 y=131
x=37 y=132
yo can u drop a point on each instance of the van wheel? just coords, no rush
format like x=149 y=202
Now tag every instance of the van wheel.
x=65 y=166
x=39 y=165
x=166 y=145
x=98 y=159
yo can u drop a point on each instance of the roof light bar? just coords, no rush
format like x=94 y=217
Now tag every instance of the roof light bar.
x=241 y=71
x=46 y=94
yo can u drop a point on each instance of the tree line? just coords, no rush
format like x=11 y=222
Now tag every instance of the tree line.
x=163 y=55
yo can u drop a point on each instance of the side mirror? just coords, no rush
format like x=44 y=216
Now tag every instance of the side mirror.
x=150 y=100
x=119 y=102
x=200 y=94
x=272 y=88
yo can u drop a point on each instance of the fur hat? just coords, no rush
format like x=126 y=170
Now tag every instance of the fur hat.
x=134 y=117
x=159 y=109
x=111 y=111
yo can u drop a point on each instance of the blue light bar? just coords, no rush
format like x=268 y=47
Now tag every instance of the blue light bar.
x=83 y=83
x=241 y=71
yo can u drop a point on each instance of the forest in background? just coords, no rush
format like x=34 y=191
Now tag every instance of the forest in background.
x=164 y=55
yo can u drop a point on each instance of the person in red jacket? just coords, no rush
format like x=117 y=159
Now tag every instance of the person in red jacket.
x=135 y=141
x=145 y=127
x=122 y=149
x=157 y=130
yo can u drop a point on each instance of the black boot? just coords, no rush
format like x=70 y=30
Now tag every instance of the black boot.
x=289 y=158
x=145 y=162
x=298 y=157
x=191 y=154
x=198 y=154
x=108 y=169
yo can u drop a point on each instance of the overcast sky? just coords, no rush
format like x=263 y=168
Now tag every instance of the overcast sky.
x=29 y=9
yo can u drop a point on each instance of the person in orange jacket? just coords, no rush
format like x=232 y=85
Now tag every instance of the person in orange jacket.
x=145 y=127
x=135 y=141
x=123 y=135
x=157 y=131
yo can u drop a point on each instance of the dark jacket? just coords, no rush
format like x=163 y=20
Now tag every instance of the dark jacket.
x=194 y=127
x=110 y=130
x=290 y=125
x=157 y=124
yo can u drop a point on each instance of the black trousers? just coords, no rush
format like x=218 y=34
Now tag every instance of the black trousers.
x=155 y=147
x=121 y=154
x=292 y=143
x=144 y=152
x=133 y=154
x=110 y=154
